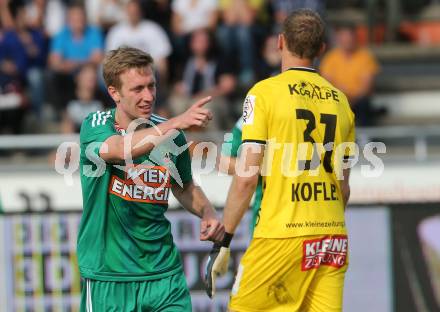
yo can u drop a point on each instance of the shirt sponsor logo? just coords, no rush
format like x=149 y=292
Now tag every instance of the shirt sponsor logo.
x=331 y=251
x=313 y=91
x=146 y=184
x=248 y=110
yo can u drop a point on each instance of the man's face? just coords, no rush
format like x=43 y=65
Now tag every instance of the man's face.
x=200 y=42
x=76 y=20
x=138 y=92
x=133 y=12
x=346 y=39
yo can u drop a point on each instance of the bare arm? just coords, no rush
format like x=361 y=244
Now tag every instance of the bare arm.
x=67 y=125
x=242 y=188
x=213 y=19
x=96 y=57
x=192 y=198
x=118 y=148
x=366 y=85
x=6 y=19
x=345 y=186
x=162 y=68
x=58 y=63
x=227 y=164
x=176 y=23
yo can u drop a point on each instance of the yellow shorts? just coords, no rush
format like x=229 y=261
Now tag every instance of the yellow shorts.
x=291 y=274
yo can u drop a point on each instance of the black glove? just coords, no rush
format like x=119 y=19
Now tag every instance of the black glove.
x=217 y=264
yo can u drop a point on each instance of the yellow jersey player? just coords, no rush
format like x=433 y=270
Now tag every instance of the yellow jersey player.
x=293 y=127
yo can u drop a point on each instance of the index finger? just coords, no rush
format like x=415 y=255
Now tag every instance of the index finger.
x=203 y=101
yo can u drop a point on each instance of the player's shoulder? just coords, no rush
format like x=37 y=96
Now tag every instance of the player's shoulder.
x=156 y=119
x=341 y=96
x=96 y=123
x=98 y=118
x=265 y=85
x=323 y=82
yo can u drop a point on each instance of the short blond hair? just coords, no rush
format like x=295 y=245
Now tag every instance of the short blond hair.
x=122 y=59
x=304 y=31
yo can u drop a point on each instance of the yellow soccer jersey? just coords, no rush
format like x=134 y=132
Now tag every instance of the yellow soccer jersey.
x=302 y=119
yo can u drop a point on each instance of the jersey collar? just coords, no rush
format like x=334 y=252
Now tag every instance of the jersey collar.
x=120 y=129
x=309 y=69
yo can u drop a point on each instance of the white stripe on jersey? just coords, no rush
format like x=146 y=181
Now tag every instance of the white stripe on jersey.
x=88 y=297
x=99 y=118
x=104 y=117
x=94 y=120
x=158 y=117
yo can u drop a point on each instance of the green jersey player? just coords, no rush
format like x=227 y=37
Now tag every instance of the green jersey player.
x=130 y=161
x=229 y=155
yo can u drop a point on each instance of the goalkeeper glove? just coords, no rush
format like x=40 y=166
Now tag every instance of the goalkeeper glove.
x=217 y=263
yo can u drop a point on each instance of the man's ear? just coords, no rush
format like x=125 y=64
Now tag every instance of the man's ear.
x=280 y=42
x=322 y=49
x=114 y=93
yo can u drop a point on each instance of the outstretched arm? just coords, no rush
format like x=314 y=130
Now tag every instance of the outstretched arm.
x=240 y=193
x=117 y=148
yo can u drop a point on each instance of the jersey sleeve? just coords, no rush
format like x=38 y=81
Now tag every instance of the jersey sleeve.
x=183 y=161
x=231 y=149
x=255 y=115
x=96 y=128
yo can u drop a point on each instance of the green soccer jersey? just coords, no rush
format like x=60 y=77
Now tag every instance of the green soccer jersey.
x=232 y=150
x=124 y=235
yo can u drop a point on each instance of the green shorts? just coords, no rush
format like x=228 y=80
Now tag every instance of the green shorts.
x=167 y=294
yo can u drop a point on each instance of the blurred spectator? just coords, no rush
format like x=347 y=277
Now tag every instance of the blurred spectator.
x=6 y=19
x=76 y=45
x=12 y=102
x=236 y=34
x=86 y=100
x=105 y=13
x=145 y=35
x=282 y=8
x=25 y=51
x=158 y=11
x=204 y=75
x=45 y=15
x=270 y=58
x=189 y=15
x=12 y=99
x=352 y=69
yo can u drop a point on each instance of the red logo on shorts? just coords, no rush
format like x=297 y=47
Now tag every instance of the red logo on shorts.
x=328 y=250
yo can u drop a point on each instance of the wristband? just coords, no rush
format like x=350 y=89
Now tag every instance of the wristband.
x=227 y=239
